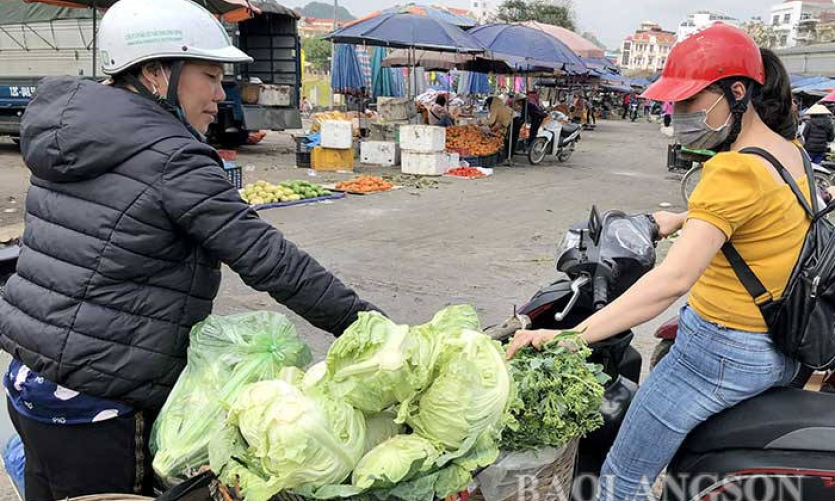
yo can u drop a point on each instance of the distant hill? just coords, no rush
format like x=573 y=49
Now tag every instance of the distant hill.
x=325 y=11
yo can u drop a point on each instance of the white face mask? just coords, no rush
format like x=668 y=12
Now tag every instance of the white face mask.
x=693 y=131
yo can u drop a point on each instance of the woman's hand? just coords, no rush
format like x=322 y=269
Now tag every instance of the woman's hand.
x=538 y=339
x=669 y=222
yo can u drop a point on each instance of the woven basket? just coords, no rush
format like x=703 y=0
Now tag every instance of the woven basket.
x=552 y=483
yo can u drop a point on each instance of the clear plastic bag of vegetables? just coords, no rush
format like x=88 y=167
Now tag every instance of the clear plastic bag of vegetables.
x=225 y=354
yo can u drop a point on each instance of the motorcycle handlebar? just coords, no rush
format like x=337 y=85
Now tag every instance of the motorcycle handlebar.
x=601 y=292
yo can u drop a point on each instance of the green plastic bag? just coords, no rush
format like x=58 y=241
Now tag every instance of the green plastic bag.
x=224 y=355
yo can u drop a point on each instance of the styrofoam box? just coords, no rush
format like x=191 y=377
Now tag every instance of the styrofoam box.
x=425 y=164
x=337 y=134
x=423 y=138
x=383 y=153
x=275 y=95
x=394 y=108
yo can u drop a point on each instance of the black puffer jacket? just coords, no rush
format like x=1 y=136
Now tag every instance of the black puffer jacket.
x=818 y=133
x=127 y=220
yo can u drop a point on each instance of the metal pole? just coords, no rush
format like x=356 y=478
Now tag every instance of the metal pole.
x=95 y=36
x=333 y=56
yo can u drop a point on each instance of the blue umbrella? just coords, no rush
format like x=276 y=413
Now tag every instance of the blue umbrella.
x=527 y=49
x=347 y=72
x=436 y=13
x=406 y=30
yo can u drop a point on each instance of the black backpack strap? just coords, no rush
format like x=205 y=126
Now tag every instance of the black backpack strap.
x=746 y=275
x=787 y=177
x=749 y=280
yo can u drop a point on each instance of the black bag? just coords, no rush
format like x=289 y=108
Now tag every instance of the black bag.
x=802 y=322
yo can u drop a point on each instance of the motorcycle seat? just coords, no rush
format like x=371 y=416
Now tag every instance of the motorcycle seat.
x=779 y=419
x=569 y=129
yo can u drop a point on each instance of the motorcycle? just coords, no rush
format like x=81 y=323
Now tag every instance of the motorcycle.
x=633 y=110
x=556 y=139
x=783 y=439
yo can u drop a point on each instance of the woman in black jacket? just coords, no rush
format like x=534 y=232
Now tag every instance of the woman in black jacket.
x=818 y=132
x=128 y=219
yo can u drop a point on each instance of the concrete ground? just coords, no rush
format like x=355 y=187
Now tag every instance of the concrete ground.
x=488 y=242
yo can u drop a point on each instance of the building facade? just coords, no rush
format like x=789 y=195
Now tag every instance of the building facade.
x=790 y=20
x=484 y=10
x=316 y=27
x=647 y=49
x=700 y=20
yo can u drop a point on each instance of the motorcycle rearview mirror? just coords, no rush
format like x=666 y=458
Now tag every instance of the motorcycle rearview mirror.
x=595 y=226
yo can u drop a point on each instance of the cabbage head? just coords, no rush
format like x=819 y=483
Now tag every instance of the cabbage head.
x=298 y=439
x=376 y=364
x=379 y=428
x=396 y=460
x=468 y=404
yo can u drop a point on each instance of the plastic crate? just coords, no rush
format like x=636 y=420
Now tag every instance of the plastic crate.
x=490 y=161
x=303 y=160
x=472 y=161
x=234 y=173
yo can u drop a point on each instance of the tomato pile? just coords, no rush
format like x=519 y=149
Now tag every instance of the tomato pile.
x=470 y=172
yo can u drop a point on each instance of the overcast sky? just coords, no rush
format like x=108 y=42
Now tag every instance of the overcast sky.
x=610 y=20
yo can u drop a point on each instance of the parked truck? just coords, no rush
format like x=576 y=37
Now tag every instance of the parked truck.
x=38 y=40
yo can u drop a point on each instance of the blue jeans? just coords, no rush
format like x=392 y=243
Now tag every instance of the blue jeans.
x=709 y=369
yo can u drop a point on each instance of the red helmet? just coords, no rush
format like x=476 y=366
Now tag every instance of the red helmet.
x=706 y=57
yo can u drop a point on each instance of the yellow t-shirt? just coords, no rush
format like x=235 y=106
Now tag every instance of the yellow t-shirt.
x=763 y=219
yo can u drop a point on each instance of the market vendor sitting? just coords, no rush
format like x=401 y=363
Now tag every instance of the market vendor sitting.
x=439 y=114
x=500 y=117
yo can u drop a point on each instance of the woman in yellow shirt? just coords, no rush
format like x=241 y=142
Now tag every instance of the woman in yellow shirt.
x=729 y=95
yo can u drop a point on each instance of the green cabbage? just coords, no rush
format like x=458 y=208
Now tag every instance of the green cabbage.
x=294 y=438
x=398 y=459
x=376 y=364
x=379 y=428
x=224 y=354
x=470 y=399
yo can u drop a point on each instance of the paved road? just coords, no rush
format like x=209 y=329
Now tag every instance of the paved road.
x=487 y=242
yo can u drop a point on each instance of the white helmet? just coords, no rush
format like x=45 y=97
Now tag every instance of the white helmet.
x=134 y=31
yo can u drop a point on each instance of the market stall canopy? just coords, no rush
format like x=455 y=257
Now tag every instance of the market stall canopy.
x=816 y=90
x=428 y=59
x=26 y=13
x=403 y=29
x=798 y=81
x=527 y=49
x=231 y=10
x=600 y=65
x=455 y=17
x=575 y=42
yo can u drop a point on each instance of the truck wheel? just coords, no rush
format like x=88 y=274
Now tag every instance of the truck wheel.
x=661 y=351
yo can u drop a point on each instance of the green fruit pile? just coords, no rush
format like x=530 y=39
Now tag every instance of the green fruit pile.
x=262 y=192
